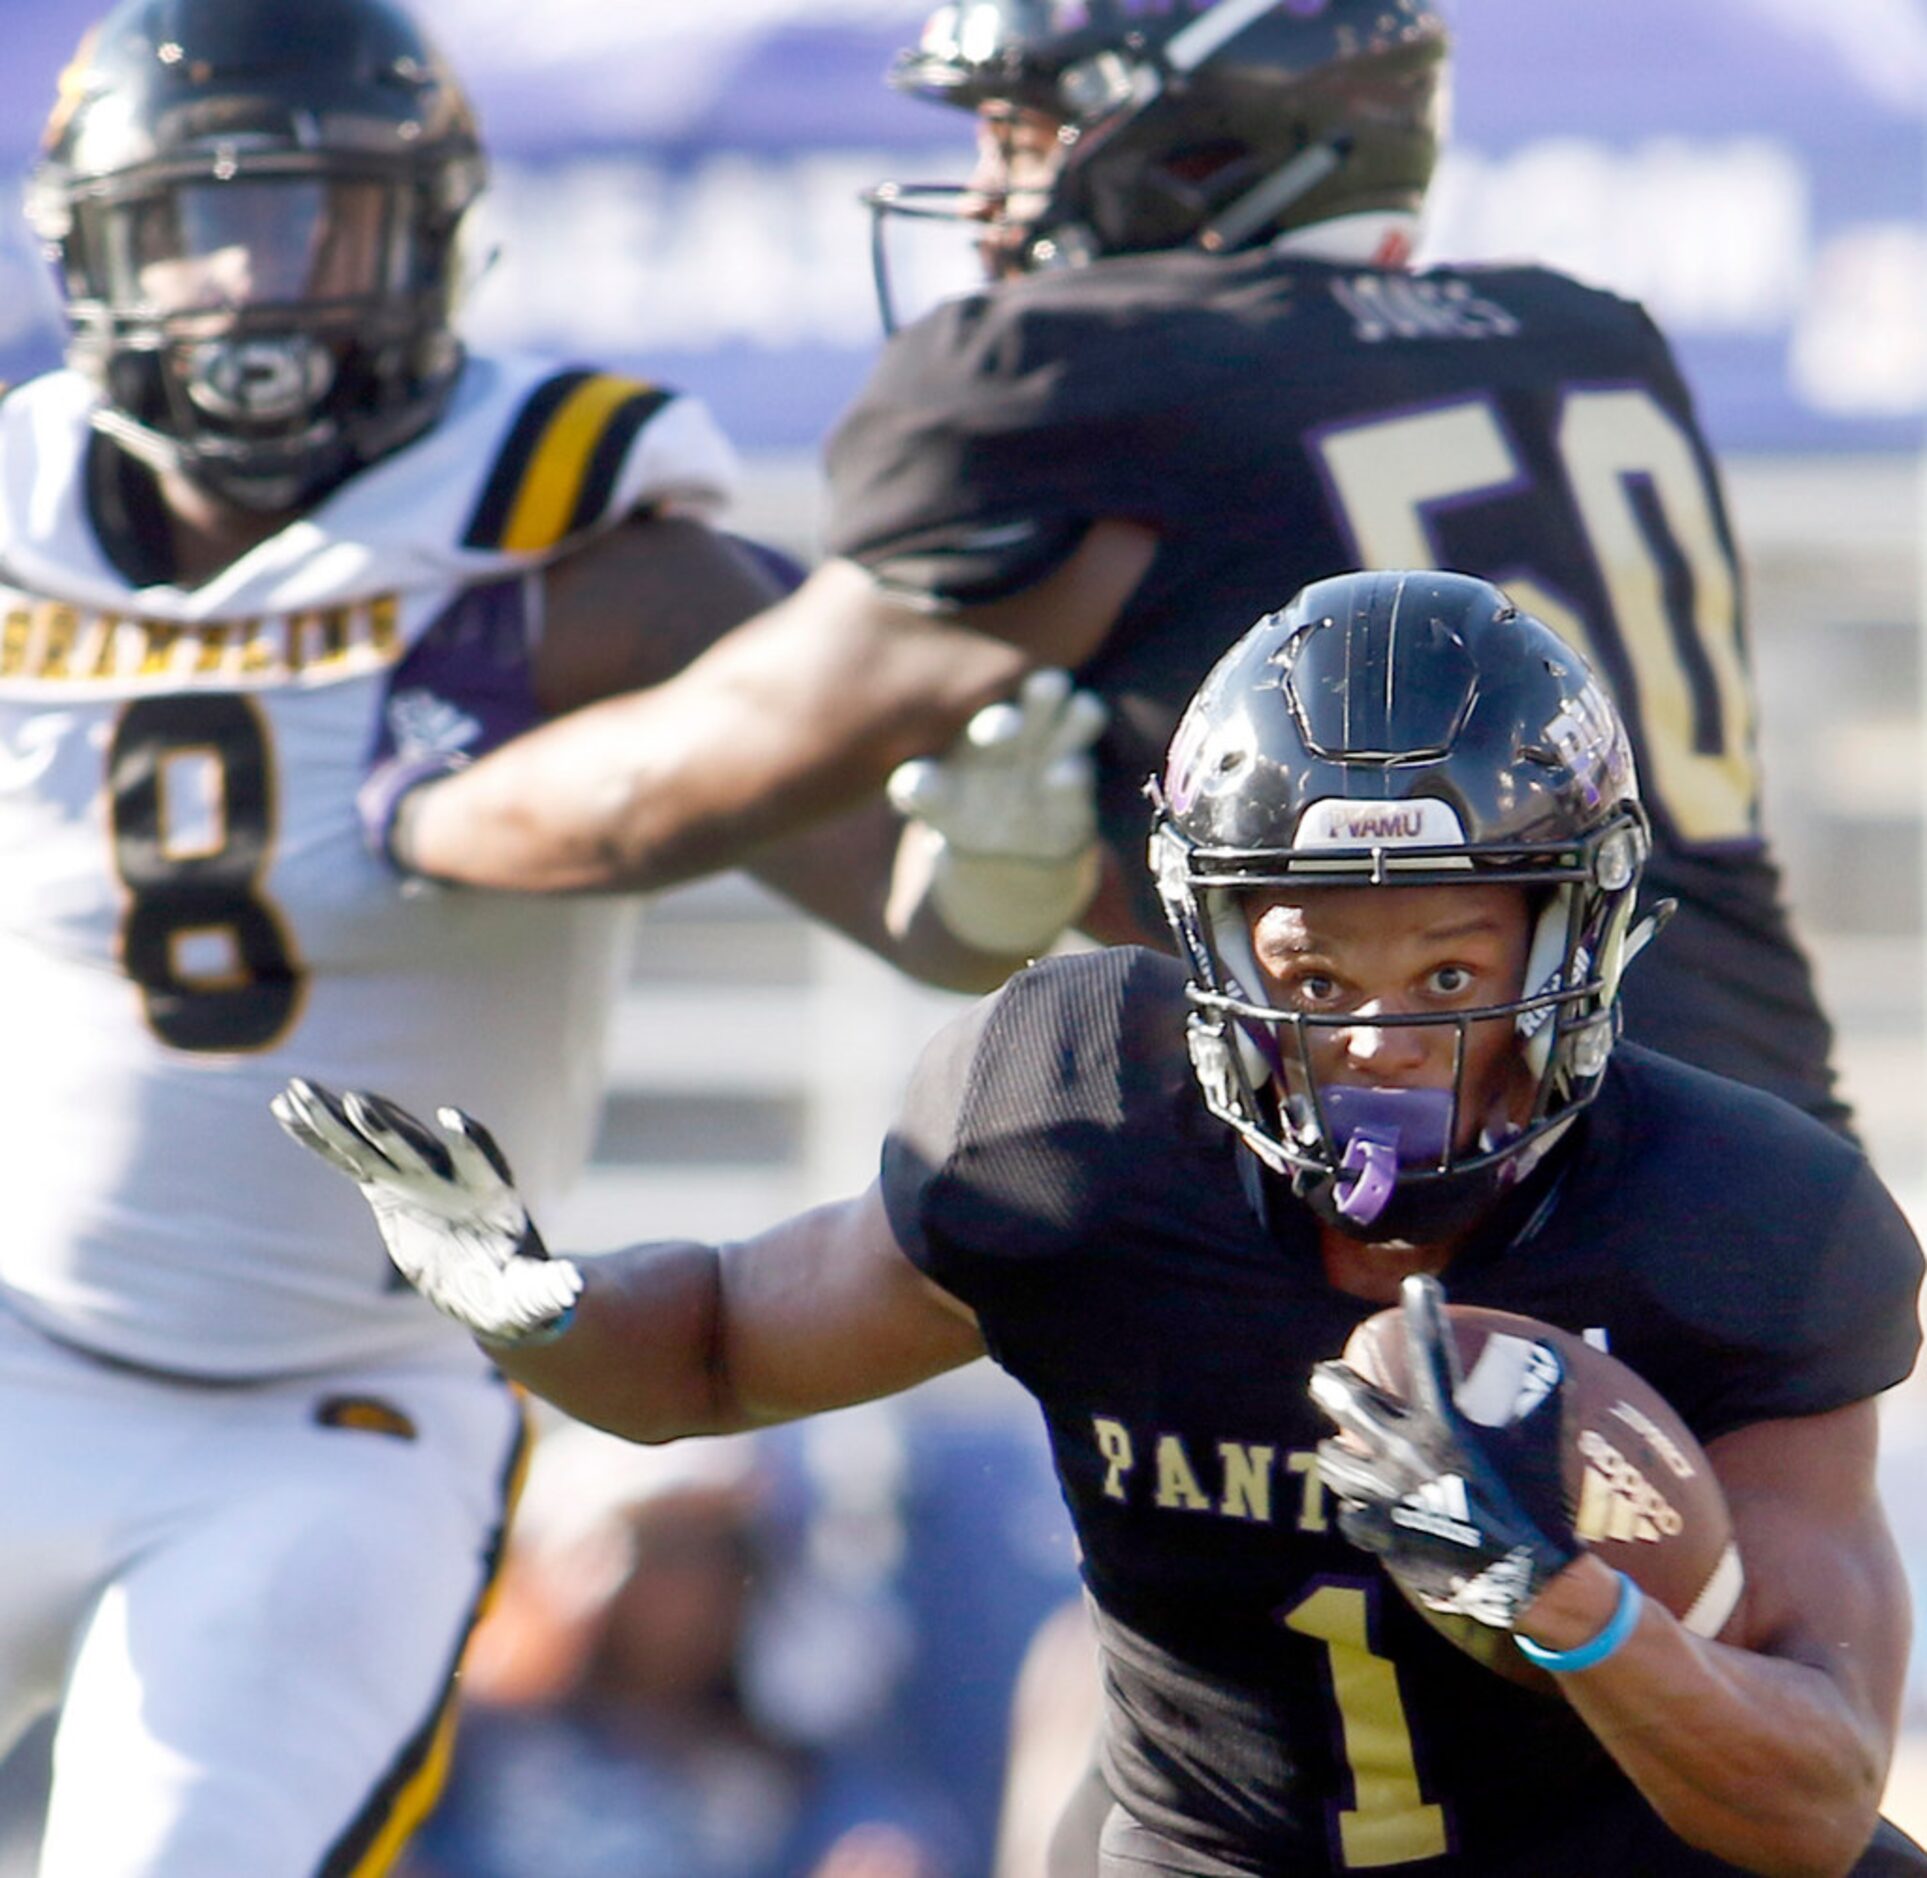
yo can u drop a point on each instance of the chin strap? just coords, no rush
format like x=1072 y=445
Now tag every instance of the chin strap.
x=1262 y=205
x=1646 y=932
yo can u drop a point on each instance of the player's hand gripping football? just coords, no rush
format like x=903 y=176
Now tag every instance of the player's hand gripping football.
x=447 y=1208
x=1469 y=1520
x=1012 y=807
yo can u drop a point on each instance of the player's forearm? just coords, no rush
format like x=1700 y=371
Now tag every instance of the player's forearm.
x=792 y=718
x=616 y=797
x=1752 y=1758
x=841 y=872
x=1756 y=1759
x=642 y=1353
x=818 y=1312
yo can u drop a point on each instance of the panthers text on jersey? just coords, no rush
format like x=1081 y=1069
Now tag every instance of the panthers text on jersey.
x=1275 y=419
x=188 y=912
x=1273 y=1704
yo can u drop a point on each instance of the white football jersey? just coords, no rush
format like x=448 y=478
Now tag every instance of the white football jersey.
x=188 y=912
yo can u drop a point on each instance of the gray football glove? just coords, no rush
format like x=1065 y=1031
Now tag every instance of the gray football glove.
x=447 y=1208
x=1011 y=808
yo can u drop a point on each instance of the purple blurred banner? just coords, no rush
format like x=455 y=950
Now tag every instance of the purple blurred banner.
x=675 y=189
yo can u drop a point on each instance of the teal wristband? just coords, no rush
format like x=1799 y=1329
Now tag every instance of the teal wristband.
x=532 y=1339
x=1619 y=1626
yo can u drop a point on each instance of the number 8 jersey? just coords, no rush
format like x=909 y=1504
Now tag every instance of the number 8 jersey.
x=189 y=912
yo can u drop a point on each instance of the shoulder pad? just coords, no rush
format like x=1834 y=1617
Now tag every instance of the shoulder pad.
x=558 y=465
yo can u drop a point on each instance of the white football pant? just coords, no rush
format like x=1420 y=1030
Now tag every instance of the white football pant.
x=246 y=1602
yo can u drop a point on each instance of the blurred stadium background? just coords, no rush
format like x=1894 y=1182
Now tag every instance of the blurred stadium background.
x=675 y=194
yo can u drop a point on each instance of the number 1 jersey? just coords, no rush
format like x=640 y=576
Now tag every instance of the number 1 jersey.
x=1272 y=1705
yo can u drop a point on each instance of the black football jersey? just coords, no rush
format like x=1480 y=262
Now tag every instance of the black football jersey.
x=1273 y=1704
x=1275 y=420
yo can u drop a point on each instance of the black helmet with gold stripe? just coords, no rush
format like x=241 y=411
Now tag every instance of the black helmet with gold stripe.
x=254 y=210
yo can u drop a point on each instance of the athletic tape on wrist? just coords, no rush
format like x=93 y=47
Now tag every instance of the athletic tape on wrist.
x=1619 y=1626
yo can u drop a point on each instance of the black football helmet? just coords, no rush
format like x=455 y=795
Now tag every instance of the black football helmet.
x=1205 y=123
x=1400 y=729
x=253 y=206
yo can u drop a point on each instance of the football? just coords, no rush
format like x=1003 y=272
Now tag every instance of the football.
x=1638 y=1487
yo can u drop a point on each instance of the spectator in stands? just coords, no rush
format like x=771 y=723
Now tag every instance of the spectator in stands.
x=612 y=1729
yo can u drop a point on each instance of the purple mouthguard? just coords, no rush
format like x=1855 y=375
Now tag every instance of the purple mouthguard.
x=1377 y=1131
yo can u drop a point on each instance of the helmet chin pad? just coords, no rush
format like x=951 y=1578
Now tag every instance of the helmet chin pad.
x=1545 y=972
x=1375 y=1132
x=1257 y=1046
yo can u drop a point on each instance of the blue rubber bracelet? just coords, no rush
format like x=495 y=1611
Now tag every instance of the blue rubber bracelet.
x=1619 y=1626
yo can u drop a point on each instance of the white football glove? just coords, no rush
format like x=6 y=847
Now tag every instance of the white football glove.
x=1012 y=809
x=447 y=1208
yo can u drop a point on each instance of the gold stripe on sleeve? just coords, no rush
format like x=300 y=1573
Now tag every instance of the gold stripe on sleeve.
x=546 y=500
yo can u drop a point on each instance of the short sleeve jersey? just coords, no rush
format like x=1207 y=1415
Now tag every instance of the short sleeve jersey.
x=1272 y=1702
x=188 y=912
x=1275 y=420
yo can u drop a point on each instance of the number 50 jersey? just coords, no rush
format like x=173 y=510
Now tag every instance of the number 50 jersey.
x=188 y=912
x=1275 y=419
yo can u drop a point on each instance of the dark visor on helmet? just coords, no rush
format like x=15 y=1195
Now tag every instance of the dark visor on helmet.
x=196 y=247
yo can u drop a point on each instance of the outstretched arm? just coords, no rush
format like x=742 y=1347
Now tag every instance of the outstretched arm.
x=751 y=756
x=814 y=1314
x=797 y=714
x=658 y=1341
